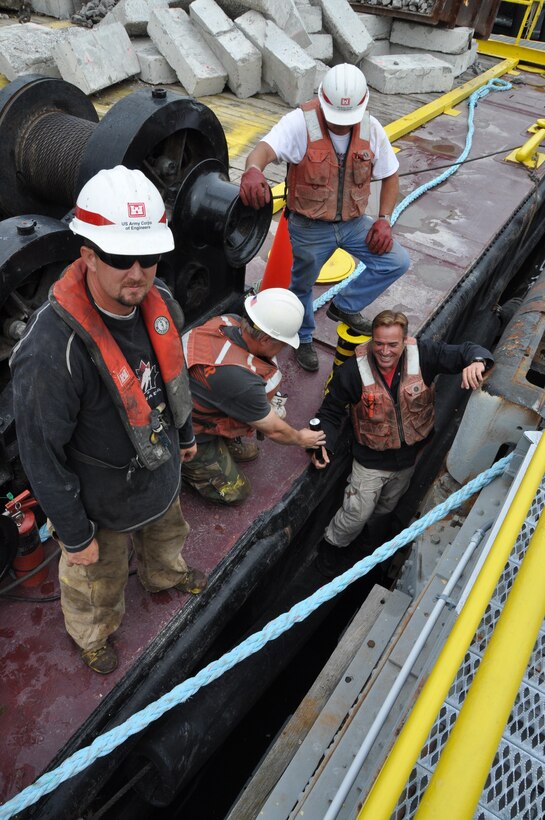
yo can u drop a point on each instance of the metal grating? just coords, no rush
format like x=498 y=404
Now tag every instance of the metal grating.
x=515 y=787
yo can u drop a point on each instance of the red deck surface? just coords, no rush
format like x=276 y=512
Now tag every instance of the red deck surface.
x=46 y=692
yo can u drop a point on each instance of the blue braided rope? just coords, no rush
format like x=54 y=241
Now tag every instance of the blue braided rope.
x=491 y=85
x=107 y=742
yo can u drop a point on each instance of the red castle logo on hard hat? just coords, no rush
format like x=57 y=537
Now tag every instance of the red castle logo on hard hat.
x=136 y=209
x=345 y=101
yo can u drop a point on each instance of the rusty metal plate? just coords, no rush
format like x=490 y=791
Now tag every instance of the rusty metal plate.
x=477 y=14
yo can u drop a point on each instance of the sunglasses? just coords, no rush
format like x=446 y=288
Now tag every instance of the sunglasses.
x=121 y=262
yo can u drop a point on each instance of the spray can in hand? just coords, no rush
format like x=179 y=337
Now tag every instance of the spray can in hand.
x=316 y=425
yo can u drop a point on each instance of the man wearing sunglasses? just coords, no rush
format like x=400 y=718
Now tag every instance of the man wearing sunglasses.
x=103 y=411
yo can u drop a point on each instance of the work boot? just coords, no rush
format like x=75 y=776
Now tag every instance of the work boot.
x=354 y=319
x=193 y=581
x=307 y=357
x=243 y=449
x=331 y=560
x=102 y=660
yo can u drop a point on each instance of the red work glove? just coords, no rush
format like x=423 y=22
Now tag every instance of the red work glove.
x=379 y=239
x=254 y=188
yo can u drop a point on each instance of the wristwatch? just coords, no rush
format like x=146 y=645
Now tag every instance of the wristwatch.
x=480 y=359
x=387 y=217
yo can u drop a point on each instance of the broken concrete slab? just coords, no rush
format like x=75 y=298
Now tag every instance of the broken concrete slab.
x=407 y=74
x=311 y=17
x=321 y=71
x=240 y=58
x=286 y=67
x=182 y=44
x=321 y=47
x=133 y=15
x=154 y=69
x=27 y=49
x=430 y=38
x=60 y=9
x=349 y=33
x=285 y=14
x=459 y=62
x=93 y=59
x=379 y=26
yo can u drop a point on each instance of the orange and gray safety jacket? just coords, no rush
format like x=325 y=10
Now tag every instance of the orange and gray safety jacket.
x=208 y=345
x=380 y=422
x=69 y=298
x=323 y=187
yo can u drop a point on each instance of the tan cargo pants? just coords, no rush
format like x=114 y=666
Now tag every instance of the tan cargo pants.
x=93 y=597
x=368 y=492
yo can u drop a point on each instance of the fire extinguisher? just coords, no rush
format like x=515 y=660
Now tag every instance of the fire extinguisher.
x=30 y=551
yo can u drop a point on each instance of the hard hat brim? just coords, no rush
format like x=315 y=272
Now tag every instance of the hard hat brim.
x=138 y=242
x=337 y=117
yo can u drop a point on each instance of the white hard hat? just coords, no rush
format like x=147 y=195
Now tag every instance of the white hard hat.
x=122 y=212
x=343 y=95
x=277 y=312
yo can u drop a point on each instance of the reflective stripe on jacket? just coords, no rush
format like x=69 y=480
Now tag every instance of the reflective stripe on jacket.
x=68 y=297
x=319 y=186
x=378 y=421
x=207 y=345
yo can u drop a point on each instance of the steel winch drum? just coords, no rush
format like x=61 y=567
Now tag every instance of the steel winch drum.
x=208 y=210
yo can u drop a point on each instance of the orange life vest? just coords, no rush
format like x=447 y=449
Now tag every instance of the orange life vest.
x=209 y=346
x=319 y=187
x=379 y=422
x=68 y=297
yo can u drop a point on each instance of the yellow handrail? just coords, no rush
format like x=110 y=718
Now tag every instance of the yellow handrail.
x=385 y=793
x=455 y=788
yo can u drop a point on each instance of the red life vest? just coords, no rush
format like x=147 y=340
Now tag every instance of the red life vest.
x=318 y=186
x=209 y=346
x=68 y=297
x=380 y=423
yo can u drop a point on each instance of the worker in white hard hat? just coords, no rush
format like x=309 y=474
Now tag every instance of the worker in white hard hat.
x=234 y=379
x=333 y=148
x=103 y=412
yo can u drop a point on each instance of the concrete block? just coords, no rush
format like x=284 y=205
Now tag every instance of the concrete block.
x=154 y=69
x=321 y=48
x=378 y=26
x=133 y=15
x=61 y=9
x=240 y=58
x=321 y=71
x=459 y=62
x=407 y=74
x=232 y=8
x=429 y=38
x=378 y=49
x=27 y=49
x=285 y=14
x=311 y=17
x=96 y=58
x=182 y=44
x=286 y=67
x=349 y=33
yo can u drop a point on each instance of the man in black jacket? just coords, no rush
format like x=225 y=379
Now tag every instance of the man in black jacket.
x=388 y=386
x=103 y=411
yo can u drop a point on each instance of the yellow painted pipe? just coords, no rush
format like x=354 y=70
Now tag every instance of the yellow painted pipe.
x=398 y=128
x=389 y=784
x=526 y=152
x=455 y=788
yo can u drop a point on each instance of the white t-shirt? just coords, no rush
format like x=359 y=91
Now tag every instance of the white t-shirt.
x=288 y=139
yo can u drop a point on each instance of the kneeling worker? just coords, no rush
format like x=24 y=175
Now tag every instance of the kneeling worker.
x=233 y=375
x=388 y=386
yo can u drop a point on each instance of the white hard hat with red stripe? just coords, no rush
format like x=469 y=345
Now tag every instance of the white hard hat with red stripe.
x=122 y=212
x=278 y=313
x=343 y=95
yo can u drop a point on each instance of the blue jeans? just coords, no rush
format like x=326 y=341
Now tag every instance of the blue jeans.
x=314 y=241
